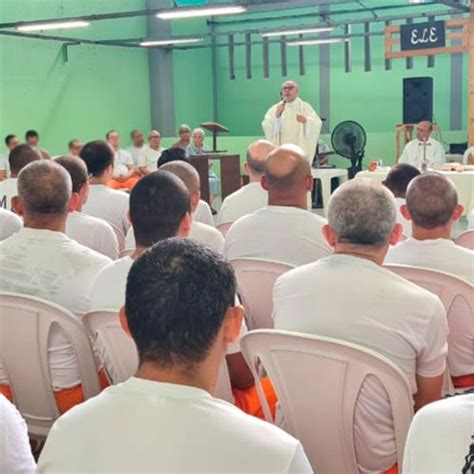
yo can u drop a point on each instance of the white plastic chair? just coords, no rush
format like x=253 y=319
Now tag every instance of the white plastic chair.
x=25 y=324
x=318 y=380
x=120 y=236
x=224 y=228
x=447 y=287
x=255 y=280
x=466 y=239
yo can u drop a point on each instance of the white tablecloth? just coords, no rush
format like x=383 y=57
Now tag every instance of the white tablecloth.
x=324 y=175
x=463 y=181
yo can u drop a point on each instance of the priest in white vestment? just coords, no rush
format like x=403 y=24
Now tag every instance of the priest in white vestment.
x=293 y=121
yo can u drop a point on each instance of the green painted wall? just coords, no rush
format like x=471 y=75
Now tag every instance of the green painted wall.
x=99 y=88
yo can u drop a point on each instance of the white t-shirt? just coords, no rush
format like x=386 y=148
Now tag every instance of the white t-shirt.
x=135 y=151
x=207 y=235
x=203 y=214
x=413 y=153
x=9 y=223
x=51 y=266
x=94 y=233
x=245 y=200
x=401 y=220
x=354 y=299
x=15 y=450
x=8 y=189
x=440 y=438
x=149 y=158
x=279 y=233
x=122 y=160
x=4 y=163
x=445 y=256
x=169 y=428
x=108 y=204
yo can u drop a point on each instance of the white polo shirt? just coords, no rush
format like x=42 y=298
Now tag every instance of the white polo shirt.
x=207 y=235
x=355 y=300
x=445 y=256
x=51 y=266
x=108 y=204
x=15 y=450
x=122 y=160
x=149 y=158
x=245 y=200
x=94 y=233
x=413 y=153
x=135 y=151
x=4 y=163
x=406 y=224
x=169 y=428
x=440 y=438
x=203 y=214
x=8 y=189
x=279 y=233
x=9 y=223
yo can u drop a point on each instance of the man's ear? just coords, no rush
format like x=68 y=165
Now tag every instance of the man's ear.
x=84 y=192
x=264 y=183
x=329 y=235
x=185 y=225
x=405 y=212
x=396 y=234
x=17 y=205
x=458 y=210
x=124 y=321
x=309 y=182
x=74 y=202
x=246 y=168
x=233 y=318
x=195 y=198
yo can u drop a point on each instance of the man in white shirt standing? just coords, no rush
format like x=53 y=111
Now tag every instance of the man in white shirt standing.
x=284 y=231
x=124 y=176
x=137 y=145
x=176 y=285
x=11 y=141
x=19 y=157
x=423 y=150
x=40 y=260
x=252 y=196
x=103 y=202
x=350 y=296
x=10 y=223
x=292 y=121
x=148 y=158
x=90 y=231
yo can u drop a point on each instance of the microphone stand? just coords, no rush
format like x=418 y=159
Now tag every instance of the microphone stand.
x=424 y=163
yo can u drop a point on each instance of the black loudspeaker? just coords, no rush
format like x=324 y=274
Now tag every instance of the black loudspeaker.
x=417 y=99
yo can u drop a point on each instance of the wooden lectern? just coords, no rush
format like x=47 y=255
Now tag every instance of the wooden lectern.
x=230 y=173
x=214 y=128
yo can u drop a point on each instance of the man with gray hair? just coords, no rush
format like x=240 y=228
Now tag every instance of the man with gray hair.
x=350 y=296
x=252 y=196
x=40 y=260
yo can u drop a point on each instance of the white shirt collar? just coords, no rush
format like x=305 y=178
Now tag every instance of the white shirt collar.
x=164 y=389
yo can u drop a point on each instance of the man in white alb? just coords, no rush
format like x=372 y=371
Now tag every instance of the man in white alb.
x=10 y=223
x=432 y=207
x=137 y=145
x=103 y=202
x=350 y=296
x=95 y=233
x=11 y=141
x=148 y=158
x=292 y=121
x=252 y=196
x=423 y=149
x=283 y=231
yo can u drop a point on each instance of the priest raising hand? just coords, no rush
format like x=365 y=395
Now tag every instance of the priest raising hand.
x=292 y=121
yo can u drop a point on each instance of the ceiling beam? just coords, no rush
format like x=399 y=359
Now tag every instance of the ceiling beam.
x=454 y=4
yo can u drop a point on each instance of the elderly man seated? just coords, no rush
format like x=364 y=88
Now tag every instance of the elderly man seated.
x=350 y=296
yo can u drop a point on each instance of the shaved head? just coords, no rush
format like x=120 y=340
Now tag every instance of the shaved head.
x=186 y=172
x=21 y=156
x=44 y=188
x=257 y=153
x=431 y=200
x=286 y=168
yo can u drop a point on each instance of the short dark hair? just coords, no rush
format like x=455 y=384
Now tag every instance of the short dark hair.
x=22 y=155
x=71 y=142
x=172 y=154
x=77 y=169
x=108 y=133
x=8 y=138
x=177 y=295
x=31 y=134
x=399 y=178
x=158 y=203
x=136 y=130
x=97 y=155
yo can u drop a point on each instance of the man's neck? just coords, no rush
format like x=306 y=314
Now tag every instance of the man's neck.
x=376 y=255
x=255 y=178
x=98 y=180
x=138 y=251
x=55 y=225
x=115 y=148
x=154 y=147
x=299 y=202
x=443 y=232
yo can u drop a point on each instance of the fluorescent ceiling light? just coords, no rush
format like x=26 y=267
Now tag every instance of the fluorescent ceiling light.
x=56 y=25
x=316 y=41
x=297 y=32
x=178 y=13
x=416 y=1
x=170 y=42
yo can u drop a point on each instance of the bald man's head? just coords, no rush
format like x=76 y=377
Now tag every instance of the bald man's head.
x=21 y=156
x=257 y=153
x=44 y=189
x=431 y=200
x=186 y=172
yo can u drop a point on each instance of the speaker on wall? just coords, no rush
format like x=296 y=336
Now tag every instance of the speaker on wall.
x=417 y=99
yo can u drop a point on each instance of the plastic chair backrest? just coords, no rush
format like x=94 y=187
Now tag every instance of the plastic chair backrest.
x=25 y=325
x=224 y=228
x=466 y=239
x=318 y=380
x=255 y=281
x=120 y=236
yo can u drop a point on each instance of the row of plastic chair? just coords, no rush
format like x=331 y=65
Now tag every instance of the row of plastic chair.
x=466 y=239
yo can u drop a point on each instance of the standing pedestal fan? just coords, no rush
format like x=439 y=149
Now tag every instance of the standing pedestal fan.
x=348 y=140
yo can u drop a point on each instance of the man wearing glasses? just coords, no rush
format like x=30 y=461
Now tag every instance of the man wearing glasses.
x=292 y=121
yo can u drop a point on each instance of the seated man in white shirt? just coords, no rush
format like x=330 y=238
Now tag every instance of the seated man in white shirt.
x=10 y=223
x=137 y=145
x=252 y=196
x=40 y=260
x=441 y=438
x=203 y=233
x=11 y=141
x=103 y=202
x=150 y=154
x=90 y=231
x=176 y=285
x=284 y=231
x=432 y=206
x=350 y=296
x=19 y=157
x=74 y=148
x=124 y=176
x=397 y=181
x=423 y=150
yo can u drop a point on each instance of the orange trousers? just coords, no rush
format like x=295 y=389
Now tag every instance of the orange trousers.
x=463 y=381
x=248 y=401
x=129 y=184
